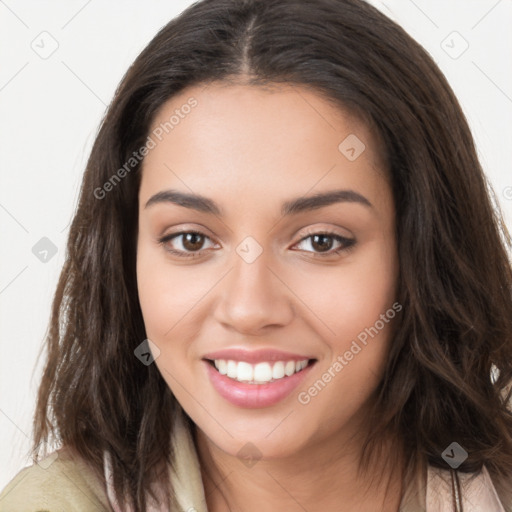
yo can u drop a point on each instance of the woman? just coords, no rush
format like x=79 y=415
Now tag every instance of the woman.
x=286 y=286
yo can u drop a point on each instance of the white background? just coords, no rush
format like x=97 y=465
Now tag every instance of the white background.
x=50 y=110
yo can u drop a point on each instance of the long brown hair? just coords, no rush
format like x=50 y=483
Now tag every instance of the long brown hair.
x=455 y=275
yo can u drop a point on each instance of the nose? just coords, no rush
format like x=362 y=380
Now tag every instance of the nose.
x=253 y=297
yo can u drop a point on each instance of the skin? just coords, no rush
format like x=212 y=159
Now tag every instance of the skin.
x=250 y=149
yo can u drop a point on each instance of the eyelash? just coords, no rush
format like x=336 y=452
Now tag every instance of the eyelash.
x=347 y=243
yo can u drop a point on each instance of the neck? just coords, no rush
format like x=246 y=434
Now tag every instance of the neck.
x=323 y=477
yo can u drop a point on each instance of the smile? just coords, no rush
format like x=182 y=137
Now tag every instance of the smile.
x=261 y=373
x=258 y=385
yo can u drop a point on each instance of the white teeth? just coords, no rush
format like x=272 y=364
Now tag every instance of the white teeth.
x=232 y=371
x=260 y=373
x=289 y=368
x=245 y=371
x=222 y=366
x=278 y=370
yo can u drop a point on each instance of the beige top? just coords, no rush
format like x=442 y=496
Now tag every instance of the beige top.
x=62 y=483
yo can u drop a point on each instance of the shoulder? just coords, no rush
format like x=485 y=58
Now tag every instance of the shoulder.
x=477 y=489
x=58 y=483
x=436 y=487
x=503 y=487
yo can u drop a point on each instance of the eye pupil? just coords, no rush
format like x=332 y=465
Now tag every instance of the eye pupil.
x=193 y=241
x=321 y=241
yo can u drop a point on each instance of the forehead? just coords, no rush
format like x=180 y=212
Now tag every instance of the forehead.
x=265 y=141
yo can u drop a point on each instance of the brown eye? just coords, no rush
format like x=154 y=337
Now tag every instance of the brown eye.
x=185 y=243
x=322 y=243
x=192 y=241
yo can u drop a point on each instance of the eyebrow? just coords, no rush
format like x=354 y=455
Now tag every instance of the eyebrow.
x=292 y=207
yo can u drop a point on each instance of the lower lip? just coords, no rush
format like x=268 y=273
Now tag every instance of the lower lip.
x=253 y=396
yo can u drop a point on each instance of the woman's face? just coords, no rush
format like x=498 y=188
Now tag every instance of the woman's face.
x=273 y=275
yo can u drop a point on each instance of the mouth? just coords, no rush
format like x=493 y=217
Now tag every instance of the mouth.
x=265 y=372
x=256 y=385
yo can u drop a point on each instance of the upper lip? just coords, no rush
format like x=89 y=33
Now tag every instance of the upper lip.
x=254 y=356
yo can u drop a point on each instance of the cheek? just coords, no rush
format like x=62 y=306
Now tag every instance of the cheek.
x=348 y=302
x=167 y=296
x=158 y=299
x=351 y=297
x=356 y=349
x=166 y=292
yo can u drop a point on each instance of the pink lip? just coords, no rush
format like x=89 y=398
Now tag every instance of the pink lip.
x=253 y=396
x=255 y=356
